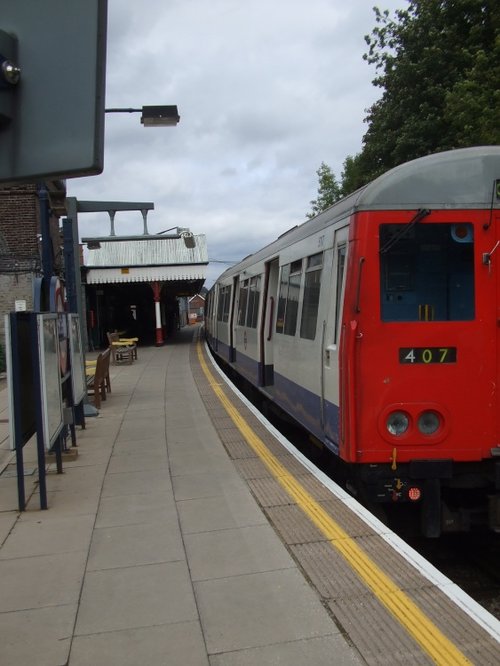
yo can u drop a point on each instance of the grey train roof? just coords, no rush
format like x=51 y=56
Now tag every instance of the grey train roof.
x=464 y=178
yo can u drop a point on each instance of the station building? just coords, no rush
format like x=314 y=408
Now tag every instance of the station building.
x=133 y=284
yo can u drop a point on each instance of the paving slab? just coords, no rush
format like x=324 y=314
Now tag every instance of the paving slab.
x=76 y=479
x=48 y=535
x=259 y=609
x=137 y=462
x=165 y=645
x=38 y=637
x=46 y=580
x=145 y=411
x=137 y=482
x=322 y=651
x=201 y=437
x=131 y=545
x=137 y=509
x=141 y=445
x=135 y=597
x=135 y=428
x=188 y=460
x=234 y=552
x=64 y=503
x=203 y=484
x=236 y=509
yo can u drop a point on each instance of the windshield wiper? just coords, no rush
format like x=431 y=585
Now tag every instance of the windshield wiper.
x=420 y=214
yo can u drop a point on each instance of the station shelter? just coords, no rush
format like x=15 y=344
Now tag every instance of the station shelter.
x=134 y=284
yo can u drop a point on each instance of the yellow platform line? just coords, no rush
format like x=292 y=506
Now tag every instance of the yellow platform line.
x=439 y=648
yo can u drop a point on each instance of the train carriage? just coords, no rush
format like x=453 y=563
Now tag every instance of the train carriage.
x=376 y=326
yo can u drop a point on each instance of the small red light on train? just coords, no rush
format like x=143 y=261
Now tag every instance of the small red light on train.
x=414 y=494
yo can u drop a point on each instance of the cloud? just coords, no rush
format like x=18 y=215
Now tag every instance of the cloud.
x=266 y=92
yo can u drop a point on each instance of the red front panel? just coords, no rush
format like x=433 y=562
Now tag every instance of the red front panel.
x=420 y=338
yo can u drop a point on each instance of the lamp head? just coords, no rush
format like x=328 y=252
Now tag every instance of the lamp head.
x=160 y=116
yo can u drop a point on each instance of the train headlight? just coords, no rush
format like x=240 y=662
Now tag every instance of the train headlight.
x=397 y=423
x=428 y=423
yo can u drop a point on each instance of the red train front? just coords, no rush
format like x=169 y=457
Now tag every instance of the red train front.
x=419 y=361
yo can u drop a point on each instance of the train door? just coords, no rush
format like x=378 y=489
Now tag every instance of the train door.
x=330 y=343
x=267 y=322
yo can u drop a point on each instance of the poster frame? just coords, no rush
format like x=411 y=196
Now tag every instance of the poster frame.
x=50 y=377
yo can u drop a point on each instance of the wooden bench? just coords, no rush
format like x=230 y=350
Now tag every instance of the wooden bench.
x=98 y=378
x=122 y=349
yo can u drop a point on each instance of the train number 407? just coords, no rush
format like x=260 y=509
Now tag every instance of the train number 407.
x=427 y=355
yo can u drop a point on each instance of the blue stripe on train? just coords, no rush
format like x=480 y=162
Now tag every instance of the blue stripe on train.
x=303 y=405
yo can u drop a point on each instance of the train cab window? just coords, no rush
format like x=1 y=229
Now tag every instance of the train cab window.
x=310 y=306
x=427 y=274
x=288 y=302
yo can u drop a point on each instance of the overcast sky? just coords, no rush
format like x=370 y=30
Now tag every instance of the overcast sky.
x=266 y=91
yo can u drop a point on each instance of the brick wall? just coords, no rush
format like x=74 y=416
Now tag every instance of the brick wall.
x=20 y=251
x=19 y=222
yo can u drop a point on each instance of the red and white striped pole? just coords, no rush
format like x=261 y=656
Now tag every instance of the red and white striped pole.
x=156 y=296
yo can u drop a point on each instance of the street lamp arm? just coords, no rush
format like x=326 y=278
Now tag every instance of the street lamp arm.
x=123 y=110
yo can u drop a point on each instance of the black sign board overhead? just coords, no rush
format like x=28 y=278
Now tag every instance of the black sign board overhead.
x=52 y=118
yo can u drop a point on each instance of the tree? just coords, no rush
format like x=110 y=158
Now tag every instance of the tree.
x=473 y=105
x=329 y=190
x=438 y=64
x=352 y=175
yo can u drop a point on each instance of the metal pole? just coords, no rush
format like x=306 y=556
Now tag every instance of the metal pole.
x=47 y=254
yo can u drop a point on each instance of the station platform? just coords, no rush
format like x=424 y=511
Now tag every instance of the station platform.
x=186 y=532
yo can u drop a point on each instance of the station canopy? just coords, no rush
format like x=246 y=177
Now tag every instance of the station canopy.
x=148 y=259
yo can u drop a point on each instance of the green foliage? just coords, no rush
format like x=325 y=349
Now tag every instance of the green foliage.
x=473 y=105
x=352 y=175
x=328 y=191
x=438 y=65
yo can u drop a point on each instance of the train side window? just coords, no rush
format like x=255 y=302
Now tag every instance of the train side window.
x=280 y=316
x=220 y=304
x=341 y=257
x=253 y=302
x=310 y=306
x=227 y=304
x=427 y=274
x=292 y=303
x=243 y=299
x=288 y=302
x=224 y=304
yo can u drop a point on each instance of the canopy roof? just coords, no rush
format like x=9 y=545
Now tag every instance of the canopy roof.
x=153 y=258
